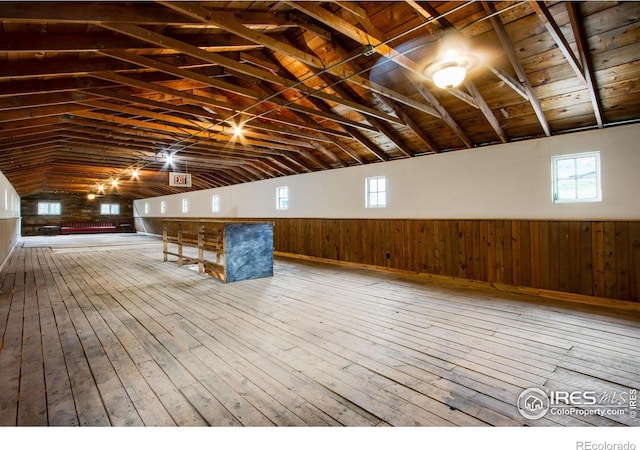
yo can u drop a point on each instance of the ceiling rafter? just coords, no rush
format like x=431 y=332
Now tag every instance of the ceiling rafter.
x=561 y=41
x=265 y=75
x=415 y=129
x=227 y=21
x=353 y=132
x=386 y=51
x=346 y=92
x=231 y=88
x=430 y=12
x=81 y=103
x=368 y=40
x=208 y=101
x=196 y=12
x=583 y=50
x=517 y=65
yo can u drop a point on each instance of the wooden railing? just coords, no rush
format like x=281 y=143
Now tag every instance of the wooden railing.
x=230 y=251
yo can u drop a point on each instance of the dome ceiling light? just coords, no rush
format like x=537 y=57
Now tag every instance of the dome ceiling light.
x=452 y=63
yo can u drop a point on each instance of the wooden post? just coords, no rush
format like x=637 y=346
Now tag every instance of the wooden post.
x=180 y=260
x=165 y=247
x=200 y=248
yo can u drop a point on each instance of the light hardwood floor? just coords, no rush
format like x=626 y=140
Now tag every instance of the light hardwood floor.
x=97 y=330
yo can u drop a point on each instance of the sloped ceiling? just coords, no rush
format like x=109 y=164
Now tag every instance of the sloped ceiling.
x=91 y=91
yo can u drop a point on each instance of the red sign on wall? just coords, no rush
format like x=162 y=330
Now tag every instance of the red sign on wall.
x=179 y=179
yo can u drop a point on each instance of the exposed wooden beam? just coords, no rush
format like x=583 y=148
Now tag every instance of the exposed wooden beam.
x=583 y=50
x=361 y=138
x=26 y=101
x=507 y=45
x=318 y=147
x=430 y=13
x=508 y=80
x=227 y=21
x=366 y=39
x=346 y=91
x=361 y=15
x=419 y=132
x=178 y=131
x=380 y=47
x=349 y=152
x=20 y=70
x=428 y=95
x=145 y=13
x=311 y=27
x=556 y=33
x=228 y=87
x=218 y=132
x=488 y=113
x=427 y=11
x=38 y=112
x=208 y=102
x=373 y=148
x=200 y=113
x=265 y=75
x=17 y=42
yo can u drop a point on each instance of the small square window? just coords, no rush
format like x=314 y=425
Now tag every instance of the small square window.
x=376 y=188
x=185 y=205
x=215 y=203
x=146 y=207
x=163 y=207
x=282 y=197
x=576 y=178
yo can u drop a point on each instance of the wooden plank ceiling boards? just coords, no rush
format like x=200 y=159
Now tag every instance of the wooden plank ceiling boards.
x=90 y=91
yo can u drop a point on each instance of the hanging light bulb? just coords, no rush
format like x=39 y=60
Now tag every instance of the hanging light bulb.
x=135 y=173
x=237 y=130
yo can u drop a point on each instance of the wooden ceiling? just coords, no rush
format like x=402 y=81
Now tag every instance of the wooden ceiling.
x=89 y=91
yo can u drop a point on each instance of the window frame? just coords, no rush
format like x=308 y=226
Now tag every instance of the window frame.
x=282 y=200
x=49 y=204
x=114 y=209
x=555 y=197
x=185 y=205
x=367 y=186
x=163 y=207
x=215 y=203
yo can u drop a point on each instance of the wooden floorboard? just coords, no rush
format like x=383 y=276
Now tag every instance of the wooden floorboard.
x=97 y=330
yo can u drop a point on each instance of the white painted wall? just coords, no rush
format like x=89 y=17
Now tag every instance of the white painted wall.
x=9 y=199
x=502 y=181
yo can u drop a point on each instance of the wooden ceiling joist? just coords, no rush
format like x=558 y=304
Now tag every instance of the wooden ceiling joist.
x=583 y=50
x=561 y=41
x=89 y=90
x=517 y=65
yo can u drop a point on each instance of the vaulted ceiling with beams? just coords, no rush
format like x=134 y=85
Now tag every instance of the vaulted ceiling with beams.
x=90 y=92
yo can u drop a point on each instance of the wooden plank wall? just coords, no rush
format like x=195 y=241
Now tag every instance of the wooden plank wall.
x=597 y=258
x=75 y=208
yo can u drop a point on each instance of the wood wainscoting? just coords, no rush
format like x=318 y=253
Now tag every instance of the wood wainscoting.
x=593 y=258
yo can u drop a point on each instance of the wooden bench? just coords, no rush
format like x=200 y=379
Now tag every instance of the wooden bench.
x=87 y=227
